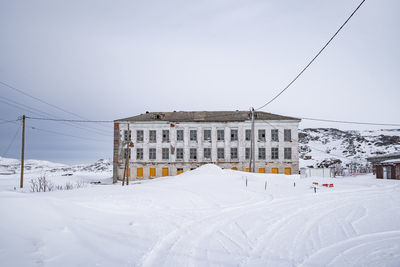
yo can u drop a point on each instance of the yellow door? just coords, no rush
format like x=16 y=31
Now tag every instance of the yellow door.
x=234 y=168
x=179 y=172
x=164 y=171
x=274 y=170
x=139 y=172
x=288 y=171
x=247 y=169
x=152 y=172
x=261 y=170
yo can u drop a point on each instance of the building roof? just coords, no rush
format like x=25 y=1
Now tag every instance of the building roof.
x=379 y=159
x=205 y=116
x=391 y=161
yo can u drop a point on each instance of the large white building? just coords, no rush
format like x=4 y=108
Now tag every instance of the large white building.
x=169 y=143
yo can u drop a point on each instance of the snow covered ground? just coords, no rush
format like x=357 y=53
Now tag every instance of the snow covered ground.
x=205 y=217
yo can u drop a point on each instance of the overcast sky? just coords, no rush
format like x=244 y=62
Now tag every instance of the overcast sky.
x=107 y=60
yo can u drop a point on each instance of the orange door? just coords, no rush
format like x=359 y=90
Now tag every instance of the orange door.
x=274 y=170
x=247 y=169
x=152 y=172
x=234 y=168
x=164 y=171
x=261 y=170
x=129 y=172
x=139 y=172
x=288 y=171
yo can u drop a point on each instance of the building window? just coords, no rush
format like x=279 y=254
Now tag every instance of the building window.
x=248 y=134
x=261 y=135
x=193 y=135
x=179 y=135
x=127 y=135
x=234 y=135
x=152 y=136
x=247 y=152
x=287 y=153
x=165 y=153
x=220 y=135
x=274 y=135
x=207 y=153
x=234 y=153
x=193 y=153
x=274 y=153
x=139 y=153
x=287 y=135
x=207 y=135
x=152 y=153
x=179 y=153
x=221 y=153
x=179 y=170
x=165 y=135
x=139 y=136
x=261 y=153
x=127 y=151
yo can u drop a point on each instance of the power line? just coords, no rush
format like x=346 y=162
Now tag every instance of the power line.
x=64 y=134
x=12 y=141
x=67 y=120
x=40 y=100
x=314 y=58
x=8 y=121
x=40 y=113
x=352 y=122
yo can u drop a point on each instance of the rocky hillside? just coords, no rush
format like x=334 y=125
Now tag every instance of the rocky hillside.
x=327 y=145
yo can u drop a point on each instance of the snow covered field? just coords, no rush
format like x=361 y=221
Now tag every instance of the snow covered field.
x=206 y=217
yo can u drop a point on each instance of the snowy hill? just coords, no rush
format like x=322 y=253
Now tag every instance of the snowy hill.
x=11 y=166
x=324 y=145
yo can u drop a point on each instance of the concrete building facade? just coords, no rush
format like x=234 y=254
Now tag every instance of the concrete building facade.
x=169 y=143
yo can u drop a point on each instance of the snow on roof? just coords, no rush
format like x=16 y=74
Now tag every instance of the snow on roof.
x=390 y=161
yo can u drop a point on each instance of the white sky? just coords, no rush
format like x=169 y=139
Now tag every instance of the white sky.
x=113 y=59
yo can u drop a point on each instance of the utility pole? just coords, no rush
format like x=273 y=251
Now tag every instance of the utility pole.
x=253 y=141
x=127 y=156
x=252 y=149
x=21 y=185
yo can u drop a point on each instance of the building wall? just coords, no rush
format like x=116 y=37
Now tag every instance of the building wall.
x=241 y=163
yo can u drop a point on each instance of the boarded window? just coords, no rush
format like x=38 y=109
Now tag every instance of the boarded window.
x=287 y=135
x=165 y=135
x=234 y=153
x=139 y=153
x=179 y=171
x=274 y=153
x=165 y=153
x=179 y=135
x=287 y=153
x=220 y=135
x=139 y=136
x=234 y=135
x=152 y=153
x=207 y=135
x=207 y=153
x=261 y=153
x=152 y=136
x=152 y=172
x=193 y=135
x=139 y=172
x=274 y=135
x=179 y=153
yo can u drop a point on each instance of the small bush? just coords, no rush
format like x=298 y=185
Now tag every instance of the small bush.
x=41 y=184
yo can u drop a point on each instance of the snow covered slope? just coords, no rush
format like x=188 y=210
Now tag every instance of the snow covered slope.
x=205 y=217
x=324 y=144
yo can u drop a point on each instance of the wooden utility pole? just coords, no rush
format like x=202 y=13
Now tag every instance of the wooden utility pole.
x=253 y=141
x=21 y=185
x=252 y=144
x=127 y=156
